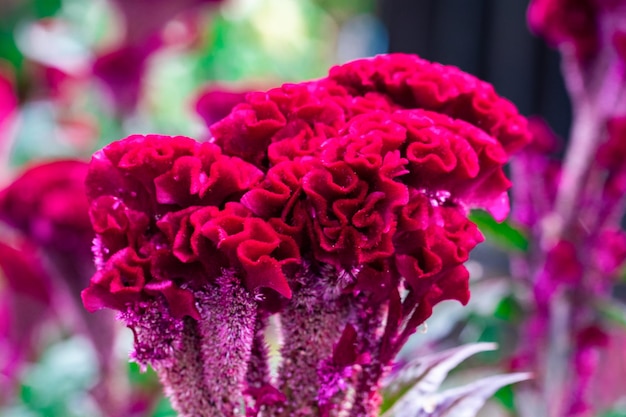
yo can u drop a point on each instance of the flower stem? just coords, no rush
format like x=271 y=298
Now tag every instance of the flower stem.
x=367 y=398
x=258 y=373
x=311 y=325
x=227 y=327
x=182 y=377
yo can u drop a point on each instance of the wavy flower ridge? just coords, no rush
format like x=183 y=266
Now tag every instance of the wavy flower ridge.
x=166 y=220
x=360 y=182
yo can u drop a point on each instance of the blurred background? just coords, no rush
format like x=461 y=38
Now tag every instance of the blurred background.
x=78 y=74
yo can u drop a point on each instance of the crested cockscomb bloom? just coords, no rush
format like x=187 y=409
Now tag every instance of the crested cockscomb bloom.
x=183 y=261
x=372 y=170
x=339 y=203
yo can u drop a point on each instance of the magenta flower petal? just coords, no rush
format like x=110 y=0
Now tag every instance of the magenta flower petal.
x=48 y=204
x=572 y=22
x=181 y=302
x=8 y=106
x=215 y=102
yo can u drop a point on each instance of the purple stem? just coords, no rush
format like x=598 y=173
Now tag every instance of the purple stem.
x=172 y=347
x=183 y=379
x=258 y=373
x=592 y=109
x=227 y=329
x=595 y=94
x=311 y=325
x=367 y=398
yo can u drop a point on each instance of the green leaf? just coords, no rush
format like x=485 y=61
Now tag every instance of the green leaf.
x=508 y=309
x=502 y=234
x=506 y=397
x=164 y=409
x=615 y=413
x=611 y=310
x=58 y=384
x=136 y=376
x=46 y=8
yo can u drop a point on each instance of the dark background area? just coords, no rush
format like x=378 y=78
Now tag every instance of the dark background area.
x=490 y=39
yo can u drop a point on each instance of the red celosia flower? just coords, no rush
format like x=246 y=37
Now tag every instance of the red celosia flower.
x=432 y=241
x=413 y=83
x=286 y=122
x=343 y=154
x=231 y=238
x=160 y=208
x=387 y=83
x=366 y=175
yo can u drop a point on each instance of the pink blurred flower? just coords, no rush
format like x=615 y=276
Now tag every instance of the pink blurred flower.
x=8 y=100
x=47 y=203
x=8 y=110
x=567 y=22
x=159 y=12
x=122 y=68
x=122 y=71
x=215 y=102
x=27 y=303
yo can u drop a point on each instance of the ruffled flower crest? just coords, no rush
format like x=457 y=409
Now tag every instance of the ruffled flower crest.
x=337 y=195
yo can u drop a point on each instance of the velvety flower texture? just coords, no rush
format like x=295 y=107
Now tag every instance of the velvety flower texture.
x=372 y=171
x=374 y=167
x=337 y=195
x=167 y=222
